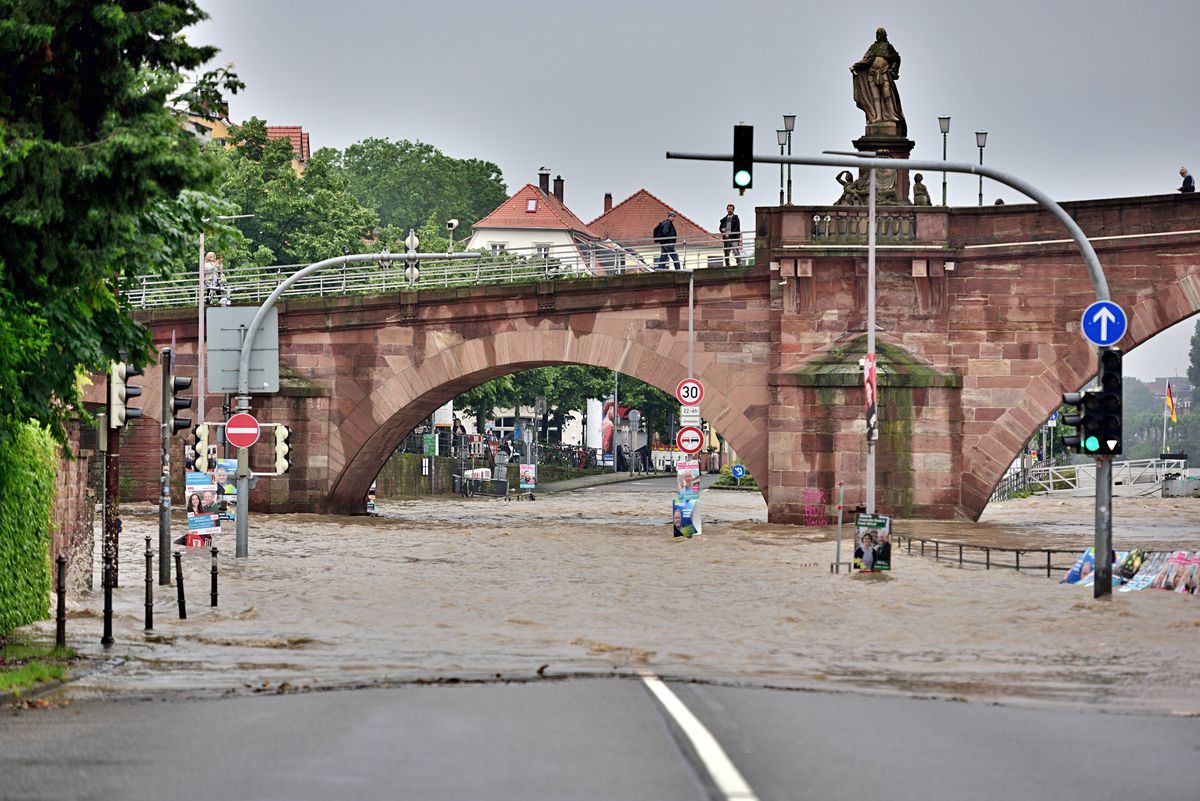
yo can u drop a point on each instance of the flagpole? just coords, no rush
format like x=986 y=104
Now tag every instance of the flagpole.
x=1165 y=405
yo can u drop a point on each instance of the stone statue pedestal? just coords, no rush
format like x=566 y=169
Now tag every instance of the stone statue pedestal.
x=889 y=147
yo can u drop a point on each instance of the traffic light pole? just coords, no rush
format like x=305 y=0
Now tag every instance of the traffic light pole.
x=112 y=492
x=1103 y=559
x=164 y=494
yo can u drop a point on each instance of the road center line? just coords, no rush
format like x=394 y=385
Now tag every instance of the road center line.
x=724 y=773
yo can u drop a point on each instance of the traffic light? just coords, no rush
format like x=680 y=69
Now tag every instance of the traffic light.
x=283 y=449
x=743 y=157
x=202 y=432
x=173 y=384
x=1109 y=406
x=1084 y=418
x=119 y=393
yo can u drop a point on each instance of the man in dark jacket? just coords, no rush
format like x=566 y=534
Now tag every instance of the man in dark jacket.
x=731 y=233
x=664 y=235
x=1189 y=183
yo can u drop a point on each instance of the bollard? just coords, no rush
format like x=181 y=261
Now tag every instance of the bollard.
x=1018 y=561
x=179 y=586
x=107 y=639
x=214 y=576
x=987 y=565
x=60 y=617
x=937 y=556
x=922 y=547
x=1047 y=564
x=149 y=586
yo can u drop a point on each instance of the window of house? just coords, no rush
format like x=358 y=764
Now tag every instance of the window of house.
x=498 y=248
x=542 y=251
x=531 y=205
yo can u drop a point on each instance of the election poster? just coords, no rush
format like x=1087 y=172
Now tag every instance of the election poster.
x=872 y=543
x=203 y=508
x=528 y=476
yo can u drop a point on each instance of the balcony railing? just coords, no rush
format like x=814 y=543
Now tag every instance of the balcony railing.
x=849 y=227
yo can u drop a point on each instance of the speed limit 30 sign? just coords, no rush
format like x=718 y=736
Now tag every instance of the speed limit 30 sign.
x=690 y=439
x=690 y=392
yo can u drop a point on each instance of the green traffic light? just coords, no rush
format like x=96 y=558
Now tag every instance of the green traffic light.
x=742 y=178
x=1091 y=444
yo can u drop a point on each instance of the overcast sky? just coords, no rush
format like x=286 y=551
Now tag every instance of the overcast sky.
x=1085 y=99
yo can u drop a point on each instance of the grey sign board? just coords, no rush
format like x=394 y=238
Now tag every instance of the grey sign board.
x=226 y=330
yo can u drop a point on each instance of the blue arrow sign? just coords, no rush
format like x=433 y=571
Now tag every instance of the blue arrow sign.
x=738 y=471
x=1104 y=323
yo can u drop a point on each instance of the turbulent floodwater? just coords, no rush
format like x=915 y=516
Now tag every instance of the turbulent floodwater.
x=592 y=583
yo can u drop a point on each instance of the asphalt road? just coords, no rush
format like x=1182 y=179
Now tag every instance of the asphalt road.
x=586 y=739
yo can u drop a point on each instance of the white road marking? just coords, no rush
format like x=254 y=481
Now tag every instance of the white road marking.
x=724 y=773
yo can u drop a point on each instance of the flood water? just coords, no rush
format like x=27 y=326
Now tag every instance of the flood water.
x=592 y=583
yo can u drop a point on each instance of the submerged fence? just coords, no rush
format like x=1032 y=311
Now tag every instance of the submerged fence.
x=990 y=556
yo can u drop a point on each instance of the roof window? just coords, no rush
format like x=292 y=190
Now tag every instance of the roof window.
x=531 y=205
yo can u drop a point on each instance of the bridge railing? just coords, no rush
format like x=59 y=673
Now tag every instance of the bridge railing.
x=1047 y=478
x=840 y=225
x=498 y=266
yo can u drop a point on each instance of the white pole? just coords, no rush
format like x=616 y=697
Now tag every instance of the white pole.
x=1164 y=445
x=200 y=386
x=871 y=339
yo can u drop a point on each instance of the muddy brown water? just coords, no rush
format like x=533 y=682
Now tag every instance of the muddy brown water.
x=592 y=583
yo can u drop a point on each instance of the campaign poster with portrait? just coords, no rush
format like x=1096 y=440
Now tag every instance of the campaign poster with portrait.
x=872 y=543
x=225 y=481
x=371 y=498
x=1146 y=573
x=687 y=480
x=528 y=476
x=203 y=508
x=685 y=514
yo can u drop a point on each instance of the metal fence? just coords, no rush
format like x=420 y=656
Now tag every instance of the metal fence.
x=1047 y=477
x=500 y=266
x=964 y=554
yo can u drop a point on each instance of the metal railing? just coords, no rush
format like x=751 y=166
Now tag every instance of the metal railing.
x=1049 y=478
x=498 y=265
x=849 y=226
x=981 y=555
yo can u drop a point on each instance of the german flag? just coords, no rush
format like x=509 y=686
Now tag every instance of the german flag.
x=1171 y=404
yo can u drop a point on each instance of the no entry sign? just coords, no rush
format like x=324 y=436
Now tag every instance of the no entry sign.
x=690 y=439
x=690 y=392
x=242 y=430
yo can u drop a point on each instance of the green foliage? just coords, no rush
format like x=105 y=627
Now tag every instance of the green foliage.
x=27 y=467
x=95 y=172
x=298 y=219
x=727 y=479
x=411 y=183
x=13 y=680
x=1193 y=373
x=567 y=388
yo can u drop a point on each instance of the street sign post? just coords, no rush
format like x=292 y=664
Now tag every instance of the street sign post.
x=739 y=471
x=690 y=439
x=690 y=392
x=1104 y=323
x=242 y=430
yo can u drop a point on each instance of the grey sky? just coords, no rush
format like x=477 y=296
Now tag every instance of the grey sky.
x=1086 y=99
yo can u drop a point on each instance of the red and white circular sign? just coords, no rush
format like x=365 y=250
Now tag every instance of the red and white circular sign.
x=690 y=439
x=242 y=430
x=690 y=392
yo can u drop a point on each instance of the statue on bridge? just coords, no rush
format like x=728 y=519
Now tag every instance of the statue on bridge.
x=875 y=76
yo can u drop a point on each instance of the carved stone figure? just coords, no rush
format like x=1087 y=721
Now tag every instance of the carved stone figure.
x=857 y=191
x=920 y=192
x=875 y=92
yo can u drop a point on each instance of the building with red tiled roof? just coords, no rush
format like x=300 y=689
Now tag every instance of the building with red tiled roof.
x=631 y=224
x=535 y=222
x=298 y=137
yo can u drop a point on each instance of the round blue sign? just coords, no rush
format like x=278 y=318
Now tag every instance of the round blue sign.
x=739 y=471
x=1103 y=323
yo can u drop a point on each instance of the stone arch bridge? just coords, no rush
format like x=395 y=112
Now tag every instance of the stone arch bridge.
x=978 y=328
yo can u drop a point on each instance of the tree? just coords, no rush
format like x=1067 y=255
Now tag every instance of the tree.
x=411 y=183
x=298 y=219
x=1193 y=373
x=99 y=183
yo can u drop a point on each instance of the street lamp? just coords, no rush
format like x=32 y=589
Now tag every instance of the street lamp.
x=412 y=270
x=789 y=124
x=782 y=135
x=981 y=143
x=944 y=124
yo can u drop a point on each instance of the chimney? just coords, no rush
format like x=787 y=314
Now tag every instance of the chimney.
x=607 y=202
x=544 y=180
x=558 y=186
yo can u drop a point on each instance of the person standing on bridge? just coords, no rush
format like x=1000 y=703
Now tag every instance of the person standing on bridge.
x=731 y=233
x=1189 y=183
x=665 y=235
